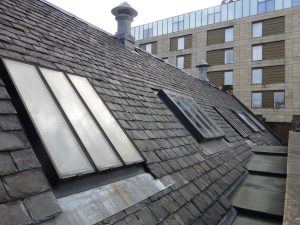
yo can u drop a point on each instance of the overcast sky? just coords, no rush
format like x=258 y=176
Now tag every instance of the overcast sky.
x=98 y=12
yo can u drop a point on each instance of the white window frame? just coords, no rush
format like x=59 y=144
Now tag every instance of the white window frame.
x=257 y=52
x=257 y=72
x=259 y=95
x=148 y=48
x=257 y=29
x=229 y=34
x=226 y=59
x=180 y=43
x=228 y=78
x=180 y=62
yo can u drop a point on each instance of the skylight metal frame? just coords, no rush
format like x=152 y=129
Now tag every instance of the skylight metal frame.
x=246 y=121
x=201 y=126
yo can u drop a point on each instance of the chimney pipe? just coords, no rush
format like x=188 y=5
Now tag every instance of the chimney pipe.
x=202 y=66
x=124 y=14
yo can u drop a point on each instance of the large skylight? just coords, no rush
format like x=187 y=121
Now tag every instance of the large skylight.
x=76 y=128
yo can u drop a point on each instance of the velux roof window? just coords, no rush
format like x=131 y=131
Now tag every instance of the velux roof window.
x=245 y=119
x=193 y=117
x=77 y=130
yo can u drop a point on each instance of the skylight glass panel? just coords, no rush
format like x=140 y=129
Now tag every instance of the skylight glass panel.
x=247 y=121
x=255 y=121
x=231 y=121
x=195 y=119
x=52 y=128
x=107 y=122
x=92 y=138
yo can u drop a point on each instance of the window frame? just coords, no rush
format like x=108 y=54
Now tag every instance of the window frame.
x=229 y=30
x=258 y=25
x=166 y=96
x=252 y=98
x=177 y=61
x=253 y=75
x=231 y=74
x=180 y=43
x=246 y=121
x=283 y=103
x=58 y=183
x=259 y=54
x=226 y=51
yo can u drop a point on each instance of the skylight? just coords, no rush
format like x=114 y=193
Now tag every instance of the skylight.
x=247 y=121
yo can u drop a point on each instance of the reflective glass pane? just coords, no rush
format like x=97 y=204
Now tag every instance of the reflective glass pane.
x=192 y=20
x=257 y=29
x=217 y=17
x=137 y=33
x=229 y=34
x=287 y=4
x=180 y=43
x=229 y=56
x=231 y=11
x=256 y=76
x=148 y=48
x=246 y=8
x=279 y=99
x=257 y=52
x=170 y=25
x=187 y=21
x=224 y=12
x=261 y=7
x=154 y=29
x=160 y=27
x=180 y=25
x=228 y=78
x=180 y=62
x=278 y=4
x=211 y=18
x=132 y=31
x=296 y=2
x=198 y=18
x=270 y=6
x=204 y=17
x=238 y=9
x=107 y=122
x=253 y=7
x=175 y=24
x=141 y=32
x=165 y=26
x=92 y=138
x=60 y=143
x=256 y=100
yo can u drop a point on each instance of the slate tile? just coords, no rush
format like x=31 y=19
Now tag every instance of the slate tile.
x=12 y=141
x=25 y=159
x=42 y=207
x=6 y=164
x=9 y=123
x=158 y=210
x=146 y=217
x=6 y=107
x=25 y=184
x=12 y=213
x=3 y=195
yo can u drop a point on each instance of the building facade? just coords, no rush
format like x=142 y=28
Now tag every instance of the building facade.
x=251 y=45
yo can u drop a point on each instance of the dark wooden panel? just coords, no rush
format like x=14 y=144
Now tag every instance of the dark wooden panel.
x=173 y=44
x=274 y=74
x=274 y=50
x=215 y=57
x=154 y=48
x=188 y=41
x=268 y=99
x=274 y=26
x=216 y=78
x=187 y=61
x=216 y=36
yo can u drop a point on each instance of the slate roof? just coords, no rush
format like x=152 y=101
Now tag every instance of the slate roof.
x=34 y=32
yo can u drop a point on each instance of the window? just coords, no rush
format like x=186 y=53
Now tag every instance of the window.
x=180 y=43
x=247 y=121
x=180 y=62
x=178 y=23
x=256 y=100
x=228 y=78
x=65 y=110
x=231 y=121
x=266 y=6
x=149 y=48
x=192 y=116
x=229 y=34
x=255 y=121
x=148 y=32
x=256 y=52
x=279 y=99
x=257 y=76
x=257 y=29
x=228 y=56
x=211 y=15
x=296 y=2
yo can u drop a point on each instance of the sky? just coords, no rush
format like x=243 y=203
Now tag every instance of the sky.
x=98 y=12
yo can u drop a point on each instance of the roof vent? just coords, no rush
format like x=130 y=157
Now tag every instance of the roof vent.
x=202 y=66
x=124 y=14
